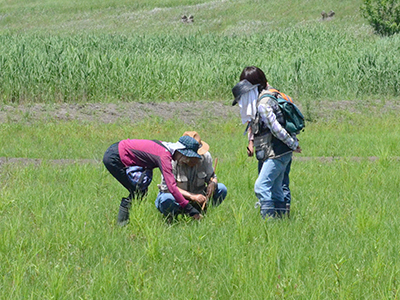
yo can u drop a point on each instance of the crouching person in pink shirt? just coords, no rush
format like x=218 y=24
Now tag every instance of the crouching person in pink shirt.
x=131 y=162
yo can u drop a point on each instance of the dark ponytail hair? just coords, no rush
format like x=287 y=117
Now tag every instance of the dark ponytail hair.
x=255 y=76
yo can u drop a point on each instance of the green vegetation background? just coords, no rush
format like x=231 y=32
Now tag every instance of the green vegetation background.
x=58 y=237
x=107 y=51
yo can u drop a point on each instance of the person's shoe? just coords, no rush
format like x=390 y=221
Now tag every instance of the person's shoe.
x=170 y=219
x=282 y=209
x=123 y=213
x=268 y=214
x=287 y=213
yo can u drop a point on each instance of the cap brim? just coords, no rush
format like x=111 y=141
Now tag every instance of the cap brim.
x=246 y=90
x=188 y=153
x=204 y=147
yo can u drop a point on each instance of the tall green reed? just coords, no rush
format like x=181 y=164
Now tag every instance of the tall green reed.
x=309 y=62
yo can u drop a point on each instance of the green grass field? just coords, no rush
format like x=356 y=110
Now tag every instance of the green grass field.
x=60 y=240
x=58 y=235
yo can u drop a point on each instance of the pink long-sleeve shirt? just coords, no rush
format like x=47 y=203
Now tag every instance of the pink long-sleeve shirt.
x=149 y=154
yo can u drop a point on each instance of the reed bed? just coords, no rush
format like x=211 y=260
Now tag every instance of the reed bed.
x=311 y=63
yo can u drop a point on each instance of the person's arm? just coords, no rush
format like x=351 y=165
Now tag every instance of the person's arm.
x=166 y=170
x=199 y=198
x=250 y=147
x=211 y=178
x=268 y=116
x=212 y=185
x=169 y=178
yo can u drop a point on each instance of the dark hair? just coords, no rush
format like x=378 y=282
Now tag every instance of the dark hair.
x=255 y=76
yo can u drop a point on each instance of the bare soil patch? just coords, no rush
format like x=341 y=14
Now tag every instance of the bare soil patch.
x=188 y=112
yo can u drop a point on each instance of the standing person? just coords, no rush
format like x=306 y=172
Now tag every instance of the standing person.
x=273 y=144
x=196 y=181
x=257 y=77
x=147 y=155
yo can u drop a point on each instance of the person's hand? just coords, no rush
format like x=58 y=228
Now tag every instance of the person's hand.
x=211 y=188
x=192 y=212
x=199 y=198
x=250 y=152
x=250 y=149
x=298 y=149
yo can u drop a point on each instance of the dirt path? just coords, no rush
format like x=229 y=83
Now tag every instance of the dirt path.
x=37 y=161
x=188 y=112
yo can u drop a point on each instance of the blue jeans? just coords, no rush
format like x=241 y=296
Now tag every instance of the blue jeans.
x=285 y=183
x=269 y=185
x=167 y=204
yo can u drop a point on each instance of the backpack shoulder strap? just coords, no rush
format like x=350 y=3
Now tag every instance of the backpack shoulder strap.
x=272 y=90
x=284 y=96
x=264 y=95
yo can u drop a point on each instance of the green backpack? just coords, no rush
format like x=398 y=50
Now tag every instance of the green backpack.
x=294 y=119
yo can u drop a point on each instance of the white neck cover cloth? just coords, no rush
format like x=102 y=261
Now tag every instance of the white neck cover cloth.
x=172 y=147
x=248 y=105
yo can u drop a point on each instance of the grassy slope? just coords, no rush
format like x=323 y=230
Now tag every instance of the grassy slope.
x=161 y=17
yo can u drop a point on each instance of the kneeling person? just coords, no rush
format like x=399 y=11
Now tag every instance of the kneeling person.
x=196 y=181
